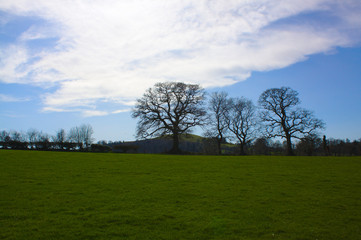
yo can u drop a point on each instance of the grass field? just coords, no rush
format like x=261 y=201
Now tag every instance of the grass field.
x=53 y=195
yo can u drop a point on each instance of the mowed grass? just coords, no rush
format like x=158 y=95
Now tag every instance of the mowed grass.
x=54 y=195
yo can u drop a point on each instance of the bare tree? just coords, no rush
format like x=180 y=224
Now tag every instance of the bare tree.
x=86 y=133
x=218 y=107
x=43 y=141
x=283 y=118
x=75 y=137
x=4 y=136
x=32 y=135
x=17 y=136
x=4 y=139
x=241 y=121
x=82 y=135
x=169 y=108
x=60 y=138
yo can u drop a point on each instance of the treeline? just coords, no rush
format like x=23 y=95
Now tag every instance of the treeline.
x=315 y=146
x=78 y=138
x=191 y=144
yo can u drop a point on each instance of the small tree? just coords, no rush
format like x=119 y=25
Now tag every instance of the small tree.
x=86 y=133
x=4 y=139
x=261 y=146
x=43 y=141
x=169 y=108
x=283 y=118
x=32 y=135
x=74 y=136
x=60 y=138
x=309 y=145
x=17 y=136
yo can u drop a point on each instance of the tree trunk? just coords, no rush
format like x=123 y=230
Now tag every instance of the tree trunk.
x=175 y=148
x=219 y=141
x=241 y=149
x=289 y=146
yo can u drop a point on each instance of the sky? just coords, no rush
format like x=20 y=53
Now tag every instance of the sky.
x=68 y=62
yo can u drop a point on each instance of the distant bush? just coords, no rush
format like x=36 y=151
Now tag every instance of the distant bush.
x=100 y=148
x=125 y=148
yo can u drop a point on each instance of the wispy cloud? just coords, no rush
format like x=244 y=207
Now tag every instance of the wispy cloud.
x=86 y=112
x=12 y=115
x=114 y=50
x=121 y=111
x=97 y=113
x=8 y=98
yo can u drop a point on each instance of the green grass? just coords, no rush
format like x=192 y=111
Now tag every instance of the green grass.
x=52 y=195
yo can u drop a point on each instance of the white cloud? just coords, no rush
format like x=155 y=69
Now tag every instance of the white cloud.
x=12 y=62
x=94 y=113
x=97 y=113
x=114 y=50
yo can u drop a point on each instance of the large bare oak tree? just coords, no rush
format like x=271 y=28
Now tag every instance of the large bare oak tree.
x=283 y=118
x=169 y=108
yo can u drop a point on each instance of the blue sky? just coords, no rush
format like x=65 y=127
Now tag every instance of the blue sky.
x=64 y=63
